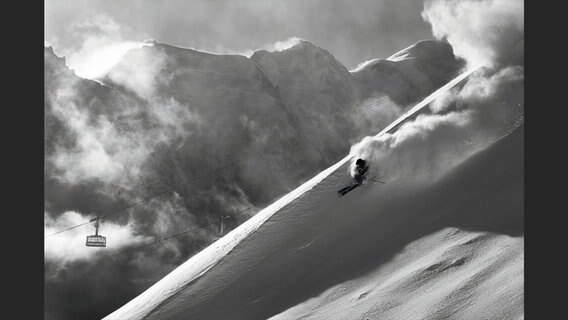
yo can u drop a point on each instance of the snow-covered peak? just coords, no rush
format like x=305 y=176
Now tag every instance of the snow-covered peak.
x=304 y=44
x=425 y=50
x=408 y=74
x=301 y=49
x=303 y=63
x=430 y=51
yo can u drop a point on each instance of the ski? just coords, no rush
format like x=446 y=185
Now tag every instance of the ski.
x=345 y=190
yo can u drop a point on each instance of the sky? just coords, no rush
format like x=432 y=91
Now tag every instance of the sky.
x=353 y=31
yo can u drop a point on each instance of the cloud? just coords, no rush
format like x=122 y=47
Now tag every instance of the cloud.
x=484 y=86
x=113 y=138
x=486 y=32
x=91 y=63
x=69 y=247
x=139 y=72
x=99 y=147
x=92 y=157
x=95 y=44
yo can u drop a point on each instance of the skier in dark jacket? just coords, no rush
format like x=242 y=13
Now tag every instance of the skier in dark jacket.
x=361 y=169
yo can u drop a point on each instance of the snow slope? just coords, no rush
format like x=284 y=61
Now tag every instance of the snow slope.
x=454 y=250
x=273 y=261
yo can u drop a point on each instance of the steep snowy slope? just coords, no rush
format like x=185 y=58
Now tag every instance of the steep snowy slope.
x=454 y=248
x=280 y=264
x=385 y=251
x=453 y=251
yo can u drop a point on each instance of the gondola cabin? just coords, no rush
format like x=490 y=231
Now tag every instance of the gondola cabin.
x=96 y=240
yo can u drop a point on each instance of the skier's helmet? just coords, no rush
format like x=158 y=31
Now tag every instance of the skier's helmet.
x=360 y=162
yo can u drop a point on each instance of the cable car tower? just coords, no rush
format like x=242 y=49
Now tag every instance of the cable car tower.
x=96 y=240
x=221 y=231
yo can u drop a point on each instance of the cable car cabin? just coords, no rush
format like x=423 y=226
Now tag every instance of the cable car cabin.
x=96 y=241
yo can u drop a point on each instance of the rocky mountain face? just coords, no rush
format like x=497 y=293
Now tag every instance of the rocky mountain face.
x=250 y=129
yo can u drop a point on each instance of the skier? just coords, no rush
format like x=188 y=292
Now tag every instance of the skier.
x=361 y=169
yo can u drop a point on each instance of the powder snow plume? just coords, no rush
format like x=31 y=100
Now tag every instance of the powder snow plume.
x=468 y=117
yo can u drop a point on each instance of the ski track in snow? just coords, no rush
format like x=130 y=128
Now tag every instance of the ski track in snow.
x=206 y=259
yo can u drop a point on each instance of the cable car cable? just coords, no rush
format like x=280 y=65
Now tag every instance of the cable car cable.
x=175 y=235
x=141 y=201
